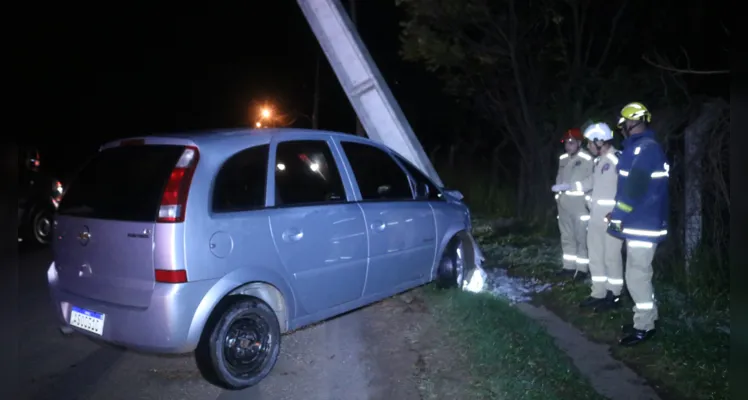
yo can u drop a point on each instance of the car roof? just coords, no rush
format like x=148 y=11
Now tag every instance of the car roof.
x=230 y=139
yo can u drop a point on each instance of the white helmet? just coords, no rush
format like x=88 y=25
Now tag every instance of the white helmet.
x=598 y=131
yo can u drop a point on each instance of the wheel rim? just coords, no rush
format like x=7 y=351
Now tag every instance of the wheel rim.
x=43 y=227
x=247 y=344
x=459 y=266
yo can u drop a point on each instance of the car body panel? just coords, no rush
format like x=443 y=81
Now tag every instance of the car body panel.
x=308 y=262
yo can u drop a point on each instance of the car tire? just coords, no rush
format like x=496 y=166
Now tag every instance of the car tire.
x=451 y=272
x=39 y=228
x=242 y=345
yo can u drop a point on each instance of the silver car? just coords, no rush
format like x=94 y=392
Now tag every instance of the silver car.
x=220 y=242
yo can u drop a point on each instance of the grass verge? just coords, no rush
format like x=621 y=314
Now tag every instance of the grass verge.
x=512 y=357
x=688 y=359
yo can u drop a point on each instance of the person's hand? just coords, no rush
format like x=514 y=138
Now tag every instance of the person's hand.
x=560 y=187
x=615 y=226
x=607 y=217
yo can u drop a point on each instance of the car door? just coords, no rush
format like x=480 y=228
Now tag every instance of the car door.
x=402 y=233
x=320 y=236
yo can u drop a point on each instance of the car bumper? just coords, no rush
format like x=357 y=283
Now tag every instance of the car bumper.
x=165 y=326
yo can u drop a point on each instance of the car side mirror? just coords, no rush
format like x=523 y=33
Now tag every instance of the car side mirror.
x=32 y=159
x=422 y=190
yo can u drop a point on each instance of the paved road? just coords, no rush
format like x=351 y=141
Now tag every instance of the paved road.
x=329 y=361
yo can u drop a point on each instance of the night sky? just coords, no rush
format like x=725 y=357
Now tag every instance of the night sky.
x=109 y=72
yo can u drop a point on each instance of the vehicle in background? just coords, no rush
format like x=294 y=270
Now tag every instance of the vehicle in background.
x=38 y=197
x=219 y=243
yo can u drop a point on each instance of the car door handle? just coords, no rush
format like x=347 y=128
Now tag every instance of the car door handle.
x=378 y=226
x=292 y=235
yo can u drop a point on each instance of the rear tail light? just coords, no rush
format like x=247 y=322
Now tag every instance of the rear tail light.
x=58 y=191
x=174 y=200
x=171 y=276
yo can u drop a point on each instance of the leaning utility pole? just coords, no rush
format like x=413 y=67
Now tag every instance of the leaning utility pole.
x=354 y=17
x=380 y=115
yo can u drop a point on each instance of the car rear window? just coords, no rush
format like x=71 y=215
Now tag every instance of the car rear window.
x=122 y=183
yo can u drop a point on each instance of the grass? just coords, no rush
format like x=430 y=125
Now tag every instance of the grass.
x=512 y=357
x=688 y=359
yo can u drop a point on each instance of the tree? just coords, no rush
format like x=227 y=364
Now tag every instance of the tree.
x=532 y=68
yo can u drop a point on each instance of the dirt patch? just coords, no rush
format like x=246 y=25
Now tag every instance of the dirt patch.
x=411 y=353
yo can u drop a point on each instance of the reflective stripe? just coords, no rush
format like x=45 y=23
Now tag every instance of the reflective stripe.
x=660 y=174
x=570 y=257
x=637 y=150
x=644 y=232
x=557 y=217
x=623 y=172
x=606 y=202
x=563 y=156
x=615 y=281
x=599 y=278
x=624 y=207
x=616 y=221
x=612 y=158
x=573 y=193
x=645 y=306
x=585 y=156
x=556 y=196
x=583 y=260
x=585 y=217
x=588 y=198
x=639 y=244
x=578 y=186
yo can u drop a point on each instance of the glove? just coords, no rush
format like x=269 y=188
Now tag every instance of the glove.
x=617 y=226
x=560 y=187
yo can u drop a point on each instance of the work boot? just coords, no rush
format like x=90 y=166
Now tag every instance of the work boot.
x=636 y=336
x=610 y=302
x=590 y=302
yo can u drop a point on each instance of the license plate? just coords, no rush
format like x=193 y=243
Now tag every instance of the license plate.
x=87 y=320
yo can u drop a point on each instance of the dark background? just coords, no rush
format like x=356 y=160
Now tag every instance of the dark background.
x=104 y=72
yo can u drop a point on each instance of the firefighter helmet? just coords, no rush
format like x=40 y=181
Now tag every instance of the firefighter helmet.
x=598 y=131
x=573 y=133
x=634 y=112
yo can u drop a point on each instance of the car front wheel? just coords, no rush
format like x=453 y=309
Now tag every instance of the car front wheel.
x=451 y=272
x=243 y=345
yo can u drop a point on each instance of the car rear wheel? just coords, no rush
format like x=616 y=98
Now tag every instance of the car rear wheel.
x=39 y=226
x=451 y=272
x=243 y=344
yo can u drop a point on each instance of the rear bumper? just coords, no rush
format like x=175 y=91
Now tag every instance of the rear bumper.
x=163 y=327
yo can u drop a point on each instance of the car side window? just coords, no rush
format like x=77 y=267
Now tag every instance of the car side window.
x=421 y=181
x=379 y=177
x=306 y=173
x=240 y=183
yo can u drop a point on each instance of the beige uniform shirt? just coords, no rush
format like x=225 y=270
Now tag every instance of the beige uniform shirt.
x=601 y=185
x=571 y=169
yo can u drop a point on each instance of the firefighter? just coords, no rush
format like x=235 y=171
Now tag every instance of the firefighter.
x=574 y=165
x=606 y=262
x=640 y=214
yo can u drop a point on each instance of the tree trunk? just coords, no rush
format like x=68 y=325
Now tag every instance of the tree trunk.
x=695 y=135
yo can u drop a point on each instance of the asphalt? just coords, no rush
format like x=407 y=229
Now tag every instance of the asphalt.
x=327 y=361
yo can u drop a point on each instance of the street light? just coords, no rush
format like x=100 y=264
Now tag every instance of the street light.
x=258 y=124
x=265 y=112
